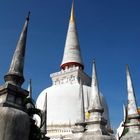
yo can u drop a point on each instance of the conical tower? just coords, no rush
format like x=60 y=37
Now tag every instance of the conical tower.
x=15 y=122
x=132 y=123
x=95 y=107
x=15 y=73
x=95 y=101
x=72 y=55
x=96 y=124
x=72 y=60
x=132 y=105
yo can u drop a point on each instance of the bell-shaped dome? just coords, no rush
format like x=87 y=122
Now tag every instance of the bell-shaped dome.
x=63 y=104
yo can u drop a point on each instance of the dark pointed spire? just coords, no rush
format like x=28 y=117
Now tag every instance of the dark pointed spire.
x=30 y=88
x=43 y=128
x=15 y=73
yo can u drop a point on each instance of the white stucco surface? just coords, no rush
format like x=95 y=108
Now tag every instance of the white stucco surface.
x=63 y=103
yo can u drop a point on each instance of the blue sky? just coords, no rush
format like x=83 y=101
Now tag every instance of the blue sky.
x=108 y=30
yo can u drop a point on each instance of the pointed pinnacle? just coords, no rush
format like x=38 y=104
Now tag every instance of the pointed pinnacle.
x=72 y=19
x=94 y=61
x=95 y=95
x=132 y=105
x=28 y=16
x=94 y=75
x=127 y=69
x=15 y=73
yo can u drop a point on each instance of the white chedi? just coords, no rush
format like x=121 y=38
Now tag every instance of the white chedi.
x=63 y=104
x=63 y=99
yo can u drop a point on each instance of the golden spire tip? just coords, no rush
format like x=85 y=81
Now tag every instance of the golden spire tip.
x=72 y=12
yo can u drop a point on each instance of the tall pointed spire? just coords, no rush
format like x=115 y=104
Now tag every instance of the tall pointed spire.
x=133 y=124
x=96 y=123
x=15 y=123
x=132 y=105
x=30 y=88
x=95 y=101
x=72 y=55
x=15 y=73
x=132 y=110
x=43 y=128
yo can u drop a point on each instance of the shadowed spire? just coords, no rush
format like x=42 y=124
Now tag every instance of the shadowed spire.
x=124 y=113
x=95 y=101
x=44 y=116
x=132 y=105
x=81 y=98
x=72 y=55
x=30 y=88
x=15 y=73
